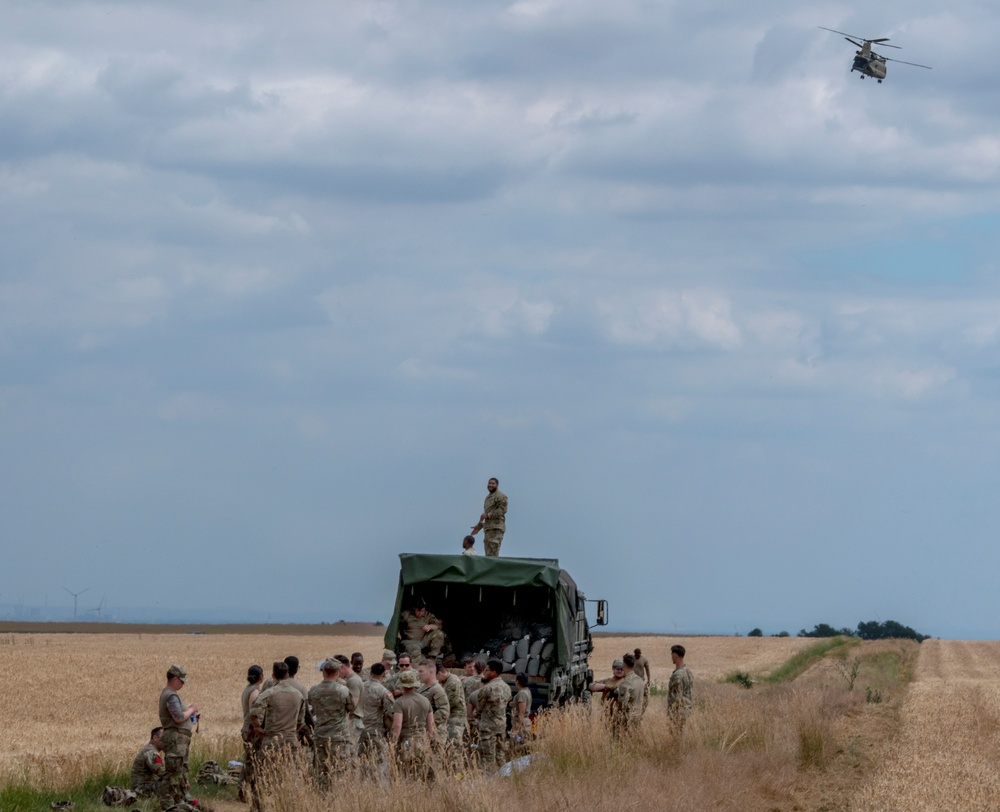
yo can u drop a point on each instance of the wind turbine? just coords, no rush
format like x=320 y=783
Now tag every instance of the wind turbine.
x=76 y=596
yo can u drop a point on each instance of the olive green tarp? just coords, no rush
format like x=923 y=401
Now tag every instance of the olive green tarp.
x=489 y=571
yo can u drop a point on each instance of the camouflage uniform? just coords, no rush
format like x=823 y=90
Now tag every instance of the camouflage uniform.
x=631 y=702
x=494 y=525
x=249 y=744
x=680 y=698
x=281 y=712
x=176 y=744
x=491 y=703
x=439 y=704
x=333 y=750
x=523 y=695
x=457 y=712
x=147 y=770
x=376 y=715
x=356 y=722
x=413 y=637
x=412 y=758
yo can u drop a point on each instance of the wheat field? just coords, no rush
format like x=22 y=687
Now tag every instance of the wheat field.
x=76 y=704
x=91 y=699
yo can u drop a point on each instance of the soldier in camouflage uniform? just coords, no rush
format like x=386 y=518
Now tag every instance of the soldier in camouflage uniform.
x=148 y=767
x=277 y=718
x=631 y=698
x=376 y=710
x=520 y=709
x=391 y=682
x=472 y=682
x=434 y=691
x=491 y=703
x=680 y=690
x=457 y=713
x=178 y=722
x=356 y=686
x=493 y=519
x=333 y=751
x=420 y=632
x=412 y=729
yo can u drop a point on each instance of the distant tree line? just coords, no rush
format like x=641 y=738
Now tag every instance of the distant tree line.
x=872 y=630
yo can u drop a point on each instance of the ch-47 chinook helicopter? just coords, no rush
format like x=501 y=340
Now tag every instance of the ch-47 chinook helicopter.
x=866 y=61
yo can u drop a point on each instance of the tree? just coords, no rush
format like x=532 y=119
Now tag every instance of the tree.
x=826 y=630
x=755 y=633
x=888 y=630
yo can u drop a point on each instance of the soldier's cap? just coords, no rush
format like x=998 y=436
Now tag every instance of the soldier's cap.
x=389 y=655
x=176 y=671
x=409 y=679
x=617 y=664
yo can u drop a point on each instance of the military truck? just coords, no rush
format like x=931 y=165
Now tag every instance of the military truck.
x=525 y=611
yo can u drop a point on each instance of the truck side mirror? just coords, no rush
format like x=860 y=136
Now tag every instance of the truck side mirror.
x=602 y=613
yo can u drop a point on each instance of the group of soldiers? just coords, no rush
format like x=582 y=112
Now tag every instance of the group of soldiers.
x=387 y=720
x=625 y=694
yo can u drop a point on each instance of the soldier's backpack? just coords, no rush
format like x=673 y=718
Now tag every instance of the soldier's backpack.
x=117 y=796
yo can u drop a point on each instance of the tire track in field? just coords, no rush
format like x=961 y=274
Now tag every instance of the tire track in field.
x=945 y=755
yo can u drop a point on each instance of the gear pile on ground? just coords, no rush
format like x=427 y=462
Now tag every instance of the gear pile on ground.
x=118 y=796
x=211 y=773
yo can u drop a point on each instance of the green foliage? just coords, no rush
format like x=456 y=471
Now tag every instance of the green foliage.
x=849 y=671
x=873 y=695
x=889 y=630
x=739 y=678
x=782 y=634
x=801 y=660
x=379 y=623
x=826 y=630
x=755 y=633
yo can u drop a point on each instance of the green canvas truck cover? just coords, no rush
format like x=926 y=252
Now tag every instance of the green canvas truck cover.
x=474 y=570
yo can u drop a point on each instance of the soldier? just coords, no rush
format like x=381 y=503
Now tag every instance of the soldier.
x=457 y=713
x=469 y=545
x=491 y=703
x=392 y=680
x=331 y=702
x=643 y=671
x=148 y=767
x=255 y=679
x=520 y=709
x=356 y=686
x=492 y=521
x=680 y=690
x=471 y=683
x=377 y=710
x=420 y=632
x=631 y=697
x=178 y=721
x=434 y=691
x=412 y=728
x=606 y=687
x=278 y=715
x=358 y=664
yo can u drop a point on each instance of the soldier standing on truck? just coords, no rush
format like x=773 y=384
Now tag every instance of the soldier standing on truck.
x=492 y=520
x=491 y=702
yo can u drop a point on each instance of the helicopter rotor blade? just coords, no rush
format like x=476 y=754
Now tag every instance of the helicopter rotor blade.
x=882 y=41
x=903 y=62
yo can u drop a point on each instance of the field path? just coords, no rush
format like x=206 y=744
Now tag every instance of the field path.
x=945 y=757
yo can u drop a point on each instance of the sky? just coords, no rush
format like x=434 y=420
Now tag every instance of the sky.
x=283 y=285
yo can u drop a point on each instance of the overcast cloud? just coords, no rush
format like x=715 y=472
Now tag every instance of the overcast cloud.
x=282 y=285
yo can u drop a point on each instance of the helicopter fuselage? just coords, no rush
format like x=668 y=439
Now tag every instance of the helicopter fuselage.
x=869 y=63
